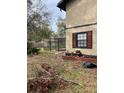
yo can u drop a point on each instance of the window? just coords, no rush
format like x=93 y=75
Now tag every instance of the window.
x=82 y=40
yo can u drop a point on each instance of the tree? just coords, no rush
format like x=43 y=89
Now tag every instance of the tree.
x=38 y=21
x=61 y=27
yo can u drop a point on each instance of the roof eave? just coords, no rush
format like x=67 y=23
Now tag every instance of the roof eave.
x=62 y=5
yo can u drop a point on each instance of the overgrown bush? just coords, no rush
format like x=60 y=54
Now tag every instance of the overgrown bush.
x=31 y=49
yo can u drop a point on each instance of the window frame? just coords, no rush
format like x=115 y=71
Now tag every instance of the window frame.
x=82 y=40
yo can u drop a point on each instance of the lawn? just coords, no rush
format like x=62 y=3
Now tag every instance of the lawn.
x=69 y=70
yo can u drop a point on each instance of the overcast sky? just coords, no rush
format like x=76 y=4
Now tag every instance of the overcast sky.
x=55 y=11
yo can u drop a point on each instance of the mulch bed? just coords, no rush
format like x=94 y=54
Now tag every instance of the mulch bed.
x=78 y=56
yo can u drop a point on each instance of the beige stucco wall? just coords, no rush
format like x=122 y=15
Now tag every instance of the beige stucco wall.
x=69 y=32
x=81 y=12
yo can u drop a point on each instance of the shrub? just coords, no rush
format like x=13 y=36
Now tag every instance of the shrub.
x=31 y=49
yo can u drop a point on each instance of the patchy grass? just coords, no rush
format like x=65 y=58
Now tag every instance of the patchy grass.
x=69 y=70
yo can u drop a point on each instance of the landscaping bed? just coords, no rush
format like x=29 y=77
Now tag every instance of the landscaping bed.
x=77 y=55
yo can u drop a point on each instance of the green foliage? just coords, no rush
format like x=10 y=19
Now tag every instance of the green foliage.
x=31 y=49
x=38 y=21
x=61 y=27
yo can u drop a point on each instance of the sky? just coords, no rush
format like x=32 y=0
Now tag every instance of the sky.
x=55 y=12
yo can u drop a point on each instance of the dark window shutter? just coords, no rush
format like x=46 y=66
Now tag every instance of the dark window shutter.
x=89 y=39
x=74 y=40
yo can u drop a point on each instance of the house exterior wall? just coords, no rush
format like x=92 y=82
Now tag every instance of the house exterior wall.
x=81 y=12
x=92 y=28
